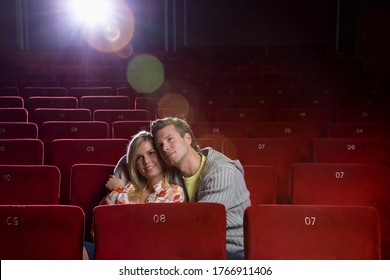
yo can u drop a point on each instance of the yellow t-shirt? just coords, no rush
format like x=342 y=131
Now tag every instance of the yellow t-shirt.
x=192 y=183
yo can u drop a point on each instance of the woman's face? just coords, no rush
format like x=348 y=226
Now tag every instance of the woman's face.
x=148 y=163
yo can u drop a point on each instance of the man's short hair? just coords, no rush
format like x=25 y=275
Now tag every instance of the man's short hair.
x=181 y=126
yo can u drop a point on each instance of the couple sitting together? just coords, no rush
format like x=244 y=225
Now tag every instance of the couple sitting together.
x=167 y=165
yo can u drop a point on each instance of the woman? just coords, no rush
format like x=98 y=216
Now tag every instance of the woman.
x=150 y=179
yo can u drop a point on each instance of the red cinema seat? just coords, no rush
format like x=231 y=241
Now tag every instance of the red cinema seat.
x=42 y=115
x=13 y=115
x=366 y=114
x=265 y=102
x=63 y=102
x=10 y=130
x=261 y=181
x=67 y=152
x=345 y=184
x=127 y=129
x=143 y=231
x=29 y=184
x=219 y=131
x=11 y=102
x=48 y=91
x=147 y=103
x=105 y=102
x=112 y=115
x=305 y=131
x=41 y=232
x=351 y=150
x=21 y=151
x=358 y=130
x=186 y=112
x=324 y=90
x=279 y=153
x=52 y=130
x=79 y=91
x=366 y=101
x=87 y=191
x=74 y=130
x=130 y=92
x=9 y=91
x=311 y=232
x=217 y=102
x=329 y=102
x=321 y=116
x=243 y=115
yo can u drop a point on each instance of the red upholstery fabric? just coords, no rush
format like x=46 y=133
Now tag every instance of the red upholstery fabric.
x=364 y=114
x=13 y=114
x=219 y=131
x=52 y=130
x=41 y=232
x=305 y=131
x=126 y=129
x=42 y=115
x=74 y=130
x=67 y=152
x=318 y=115
x=79 y=91
x=358 y=130
x=277 y=152
x=87 y=191
x=29 y=184
x=261 y=181
x=345 y=184
x=351 y=150
x=21 y=151
x=105 y=102
x=35 y=102
x=307 y=232
x=10 y=130
x=49 y=91
x=11 y=102
x=160 y=231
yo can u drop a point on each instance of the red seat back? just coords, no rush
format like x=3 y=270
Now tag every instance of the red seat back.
x=310 y=232
x=29 y=184
x=41 y=232
x=160 y=231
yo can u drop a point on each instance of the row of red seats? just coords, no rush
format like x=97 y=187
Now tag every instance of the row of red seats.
x=223 y=95
x=191 y=114
x=279 y=152
x=208 y=134
x=56 y=232
x=50 y=129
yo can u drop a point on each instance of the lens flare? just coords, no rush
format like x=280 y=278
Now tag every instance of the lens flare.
x=145 y=73
x=112 y=30
x=125 y=52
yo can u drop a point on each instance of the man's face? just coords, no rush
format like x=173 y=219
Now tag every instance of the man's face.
x=172 y=147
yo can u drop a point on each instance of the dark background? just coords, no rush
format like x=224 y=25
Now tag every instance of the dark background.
x=355 y=28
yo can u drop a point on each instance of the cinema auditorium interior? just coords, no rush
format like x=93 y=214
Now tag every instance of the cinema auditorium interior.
x=296 y=91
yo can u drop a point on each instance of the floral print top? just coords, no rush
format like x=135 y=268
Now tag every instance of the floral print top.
x=163 y=192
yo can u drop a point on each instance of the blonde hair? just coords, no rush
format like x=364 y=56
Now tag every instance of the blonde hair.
x=138 y=180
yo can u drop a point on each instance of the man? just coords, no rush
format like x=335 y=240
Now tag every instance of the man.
x=208 y=175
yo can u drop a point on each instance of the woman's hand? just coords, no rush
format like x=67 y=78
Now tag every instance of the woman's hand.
x=115 y=182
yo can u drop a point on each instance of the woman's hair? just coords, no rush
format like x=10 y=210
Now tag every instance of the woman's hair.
x=138 y=180
x=180 y=125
